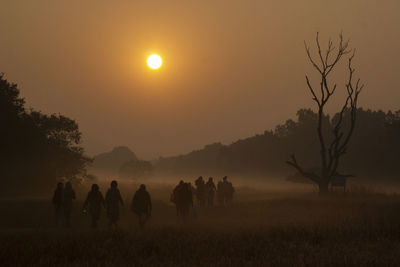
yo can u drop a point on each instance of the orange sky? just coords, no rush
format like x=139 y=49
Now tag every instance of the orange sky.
x=231 y=68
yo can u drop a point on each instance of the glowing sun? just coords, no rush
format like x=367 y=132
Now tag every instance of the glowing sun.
x=154 y=61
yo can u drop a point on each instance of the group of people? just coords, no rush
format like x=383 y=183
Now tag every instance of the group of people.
x=182 y=196
x=95 y=202
x=225 y=191
x=204 y=192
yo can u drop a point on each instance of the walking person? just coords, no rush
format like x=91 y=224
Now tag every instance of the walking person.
x=210 y=192
x=93 y=203
x=184 y=201
x=141 y=205
x=228 y=190
x=200 y=191
x=113 y=199
x=69 y=195
x=174 y=195
x=194 y=206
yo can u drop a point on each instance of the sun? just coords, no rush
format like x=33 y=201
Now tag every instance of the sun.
x=154 y=61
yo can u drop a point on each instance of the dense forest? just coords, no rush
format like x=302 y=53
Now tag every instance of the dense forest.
x=36 y=149
x=373 y=151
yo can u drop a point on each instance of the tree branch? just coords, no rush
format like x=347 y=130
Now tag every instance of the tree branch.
x=312 y=176
x=315 y=98
x=328 y=60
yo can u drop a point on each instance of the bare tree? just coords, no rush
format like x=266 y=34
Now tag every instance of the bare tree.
x=334 y=147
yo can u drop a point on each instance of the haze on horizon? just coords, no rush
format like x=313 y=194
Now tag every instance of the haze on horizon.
x=231 y=68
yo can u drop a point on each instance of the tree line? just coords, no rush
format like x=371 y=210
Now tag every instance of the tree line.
x=36 y=149
x=322 y=141
x=374 y=149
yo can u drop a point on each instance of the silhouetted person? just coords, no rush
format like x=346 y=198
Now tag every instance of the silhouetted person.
x=210 y=191
x=200 y=191
x=184 y=200
x=174 y=196
x=113 y=199
x=194 y=206
x=58 y=202
x=228 y=190
x=93 y=203
x=141 y=205
x=69 y=195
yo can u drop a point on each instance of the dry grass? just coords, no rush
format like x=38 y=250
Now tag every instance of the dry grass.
x=260 y=229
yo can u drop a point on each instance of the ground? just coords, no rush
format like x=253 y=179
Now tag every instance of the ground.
x=262 y=228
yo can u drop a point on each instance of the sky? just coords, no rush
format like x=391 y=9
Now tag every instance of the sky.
x=231 y=69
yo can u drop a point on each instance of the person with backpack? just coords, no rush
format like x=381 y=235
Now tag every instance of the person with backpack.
x=93 y=204
x=141 y=205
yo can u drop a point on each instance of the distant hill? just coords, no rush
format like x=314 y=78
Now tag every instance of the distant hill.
x=109 y=163
x=373 y=152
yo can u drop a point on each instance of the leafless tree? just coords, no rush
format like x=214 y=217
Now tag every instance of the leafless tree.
x=334 y=147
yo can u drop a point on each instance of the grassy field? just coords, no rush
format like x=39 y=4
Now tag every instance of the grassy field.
x=262 y=228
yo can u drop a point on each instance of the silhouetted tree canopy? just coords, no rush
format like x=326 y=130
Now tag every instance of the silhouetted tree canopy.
x=374 y=150
x=36 y=149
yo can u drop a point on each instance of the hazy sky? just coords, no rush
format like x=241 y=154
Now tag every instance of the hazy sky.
x=231 y=68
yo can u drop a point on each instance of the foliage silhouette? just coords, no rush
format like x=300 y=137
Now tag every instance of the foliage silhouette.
x=36 y=149
x=374 y=152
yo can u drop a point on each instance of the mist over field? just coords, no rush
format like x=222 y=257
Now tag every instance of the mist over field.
x=274 y=214
x=183 y=133
x=275 y=224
